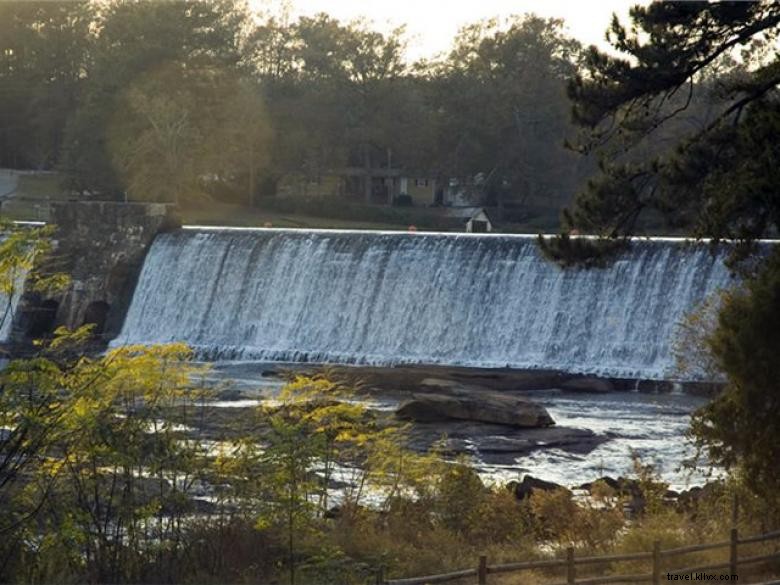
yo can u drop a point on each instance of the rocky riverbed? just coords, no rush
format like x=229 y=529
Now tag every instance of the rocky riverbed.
x=598 y=425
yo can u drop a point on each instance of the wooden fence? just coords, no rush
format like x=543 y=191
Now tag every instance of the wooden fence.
x=571 y=563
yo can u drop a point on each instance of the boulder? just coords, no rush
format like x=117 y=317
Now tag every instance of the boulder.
x=485 y=407
x=494 y=444
x=624 y=486
x=530 y=484
x=690 y=499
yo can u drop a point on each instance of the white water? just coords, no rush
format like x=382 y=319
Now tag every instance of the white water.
x=9 y=302
x=652 y=426
x=393 y=298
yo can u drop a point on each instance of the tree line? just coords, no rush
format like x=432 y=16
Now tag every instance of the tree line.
x=169 y=100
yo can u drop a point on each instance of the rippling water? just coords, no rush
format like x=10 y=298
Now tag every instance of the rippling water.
x=651 y=425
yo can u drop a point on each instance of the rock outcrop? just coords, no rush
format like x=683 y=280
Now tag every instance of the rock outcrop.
x=485 y=407
x=588 y=384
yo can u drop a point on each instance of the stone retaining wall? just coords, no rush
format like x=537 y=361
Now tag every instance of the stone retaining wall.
x=102 y=246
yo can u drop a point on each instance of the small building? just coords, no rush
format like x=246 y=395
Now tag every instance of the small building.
x=470 y=219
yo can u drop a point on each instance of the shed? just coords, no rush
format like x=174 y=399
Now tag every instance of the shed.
x=473 y=219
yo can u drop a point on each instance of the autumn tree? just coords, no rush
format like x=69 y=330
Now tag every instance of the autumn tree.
x=181 y=130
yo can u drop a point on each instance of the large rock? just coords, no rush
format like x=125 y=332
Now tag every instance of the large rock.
x=493 y=444
x=486 y=407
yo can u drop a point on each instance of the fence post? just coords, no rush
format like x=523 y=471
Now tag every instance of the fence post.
x=733 y=551
x=380 y=575
x=482 y=570
x=657 y=562
x=571 y=572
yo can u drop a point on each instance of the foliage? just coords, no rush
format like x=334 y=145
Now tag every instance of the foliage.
x=113 y=492
x=516 y=73
x=573 y=251
x=718 y=181
x=105 y=470
x=740 y=427
x=196 y=34
x=180 y=130
x=593 y=523
x=23 y=251
x=45 y=51
x=675 y=68
x=691 y=349
x=216 y=104
x=460 y=495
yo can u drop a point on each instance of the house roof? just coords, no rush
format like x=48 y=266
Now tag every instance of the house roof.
x=465 y=213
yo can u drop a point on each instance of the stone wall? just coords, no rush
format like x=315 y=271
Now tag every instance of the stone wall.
x=102 y=246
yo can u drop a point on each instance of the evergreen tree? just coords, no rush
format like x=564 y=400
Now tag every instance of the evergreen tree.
x=719 y=181
x=675 y=53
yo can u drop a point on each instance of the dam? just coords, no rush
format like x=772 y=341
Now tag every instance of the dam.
x=390 y=298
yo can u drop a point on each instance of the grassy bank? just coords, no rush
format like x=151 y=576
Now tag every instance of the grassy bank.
x=29 y=202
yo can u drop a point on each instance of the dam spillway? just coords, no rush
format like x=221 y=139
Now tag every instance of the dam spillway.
x=384 y=298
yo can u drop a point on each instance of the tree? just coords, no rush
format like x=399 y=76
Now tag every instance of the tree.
x=100 y=475
x=159 y=139
x=720 y=181
x=29 y=406
x=248 y=131
x=515 y=73
x=740 y=428
x=195 y=35
x=336 y=94
x=182 y=130
x=126 y=471
x=621 y=104
x=313 y=431
x=44 y=50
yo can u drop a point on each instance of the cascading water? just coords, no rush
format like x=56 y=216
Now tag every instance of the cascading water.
x=395 y=298
x=9 y=302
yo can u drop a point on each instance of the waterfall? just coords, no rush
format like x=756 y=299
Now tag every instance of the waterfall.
x=395 y=298
x=9 y=303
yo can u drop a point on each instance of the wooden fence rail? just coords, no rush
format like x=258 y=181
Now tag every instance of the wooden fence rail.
x=571 y=562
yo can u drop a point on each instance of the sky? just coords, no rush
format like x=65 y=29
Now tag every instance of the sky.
x=432 y=24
